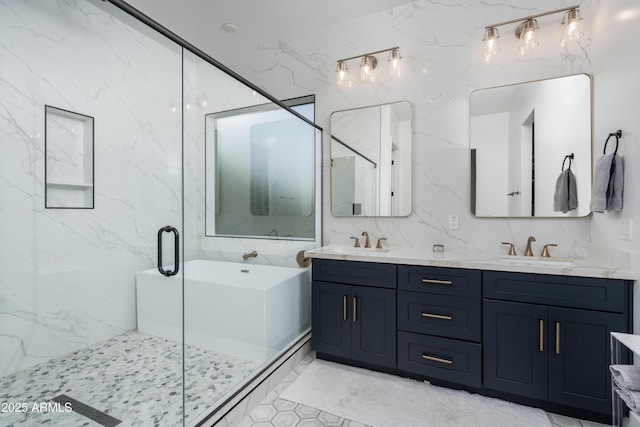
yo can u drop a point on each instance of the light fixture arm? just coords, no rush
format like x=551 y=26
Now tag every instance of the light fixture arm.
x=564 y=9
x=368 y=54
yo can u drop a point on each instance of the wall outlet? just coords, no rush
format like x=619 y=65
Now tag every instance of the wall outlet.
x=454 y=222
x=626 y=229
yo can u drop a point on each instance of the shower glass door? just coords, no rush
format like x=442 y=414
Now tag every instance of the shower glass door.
x=107 y=313
x=251 y=171
x=90 y=170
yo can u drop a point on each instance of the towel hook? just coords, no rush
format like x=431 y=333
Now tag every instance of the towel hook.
x=570 y=157
x=618 y=135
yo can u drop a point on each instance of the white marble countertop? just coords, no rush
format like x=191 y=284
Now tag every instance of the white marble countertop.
x=581 y=267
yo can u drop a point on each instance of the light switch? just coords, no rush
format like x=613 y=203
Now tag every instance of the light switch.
x=454 y=222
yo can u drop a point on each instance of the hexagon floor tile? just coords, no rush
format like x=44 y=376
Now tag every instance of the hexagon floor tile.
x=276 y=412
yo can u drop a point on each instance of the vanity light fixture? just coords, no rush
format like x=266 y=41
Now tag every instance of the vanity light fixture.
x=341 y=73
x=573 y=28
x=368 y=65
x=490 y=43
x=527 y=31
x=394 y=60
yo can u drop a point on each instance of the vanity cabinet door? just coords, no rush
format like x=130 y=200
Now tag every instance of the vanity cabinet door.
x=515 y=342
x=330 y=318
x=579 y=357
x=373 y=325
x=354 y=322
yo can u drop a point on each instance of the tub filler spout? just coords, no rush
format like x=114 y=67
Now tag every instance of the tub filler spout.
x=248 y=255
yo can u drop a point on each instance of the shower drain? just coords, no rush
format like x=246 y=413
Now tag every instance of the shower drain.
x=99 y=417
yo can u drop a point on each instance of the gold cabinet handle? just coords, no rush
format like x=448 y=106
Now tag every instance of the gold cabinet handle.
x=541 y=333
x=354 y=310
x=344 y=307
x=437 y=282
x=557 y=337
x=437 y=316
x=437 y=359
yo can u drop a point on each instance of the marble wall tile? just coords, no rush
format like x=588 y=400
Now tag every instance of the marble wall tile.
x=440 y=42
x=68 y=276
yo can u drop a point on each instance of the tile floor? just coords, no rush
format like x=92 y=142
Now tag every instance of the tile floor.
x=134 y=377
x=276 y=412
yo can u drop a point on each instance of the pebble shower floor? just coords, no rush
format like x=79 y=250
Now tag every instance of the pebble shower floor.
x=135 y=378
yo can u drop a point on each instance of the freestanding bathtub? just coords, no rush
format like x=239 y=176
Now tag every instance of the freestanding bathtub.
x=249 y=311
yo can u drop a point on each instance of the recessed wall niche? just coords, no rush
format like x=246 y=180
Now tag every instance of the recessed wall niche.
x=68 y=159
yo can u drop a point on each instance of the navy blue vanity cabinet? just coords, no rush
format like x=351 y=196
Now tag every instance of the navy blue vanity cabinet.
x=439 y=323
x=547 y=337
x=354 y=311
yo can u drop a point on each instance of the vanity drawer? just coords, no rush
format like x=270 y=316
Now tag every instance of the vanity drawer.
x=563 y=291
x=442 y=315
x=440 y=358
x=440 y=280
x=354 y=273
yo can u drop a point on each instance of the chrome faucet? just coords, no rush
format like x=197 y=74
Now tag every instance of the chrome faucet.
x=248 y=255
x=528 y=251
x=367 y=243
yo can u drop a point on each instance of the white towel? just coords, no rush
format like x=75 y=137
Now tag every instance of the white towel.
x=565 y=197
x=628 y=376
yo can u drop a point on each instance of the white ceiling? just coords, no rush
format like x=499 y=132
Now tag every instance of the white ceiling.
x=258 y=21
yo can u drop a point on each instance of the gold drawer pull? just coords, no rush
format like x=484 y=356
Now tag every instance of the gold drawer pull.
x=437 y=316
x=437 y=359
x=437 y=282
x=557 y=337
x=344 y=307
x=355 y=317
x=541 y=334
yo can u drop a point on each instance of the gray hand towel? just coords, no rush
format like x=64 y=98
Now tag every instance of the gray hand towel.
x=601 y=184
x=616 y=184
x=628 y=376
x=565 y=197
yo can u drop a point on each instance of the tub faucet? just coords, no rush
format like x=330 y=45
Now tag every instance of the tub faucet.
x=248 y=255
x=528 y=251
x=367 y=243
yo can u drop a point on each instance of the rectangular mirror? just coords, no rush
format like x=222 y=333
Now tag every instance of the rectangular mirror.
x=522 y=137
x=371 y=161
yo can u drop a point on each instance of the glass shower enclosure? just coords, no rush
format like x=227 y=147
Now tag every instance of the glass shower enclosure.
x=105 y=185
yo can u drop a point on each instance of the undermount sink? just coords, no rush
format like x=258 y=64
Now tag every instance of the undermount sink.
x=533 y=260
x=350 y=250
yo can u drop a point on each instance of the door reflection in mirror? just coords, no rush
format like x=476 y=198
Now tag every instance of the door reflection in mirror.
x=519 y=136
x=371 y=161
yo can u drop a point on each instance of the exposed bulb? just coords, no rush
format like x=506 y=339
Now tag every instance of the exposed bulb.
x=341 y=73
x=366 y=68
x=490 y=43
x=394 y=59
x=527 y=32
x=572 y=31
